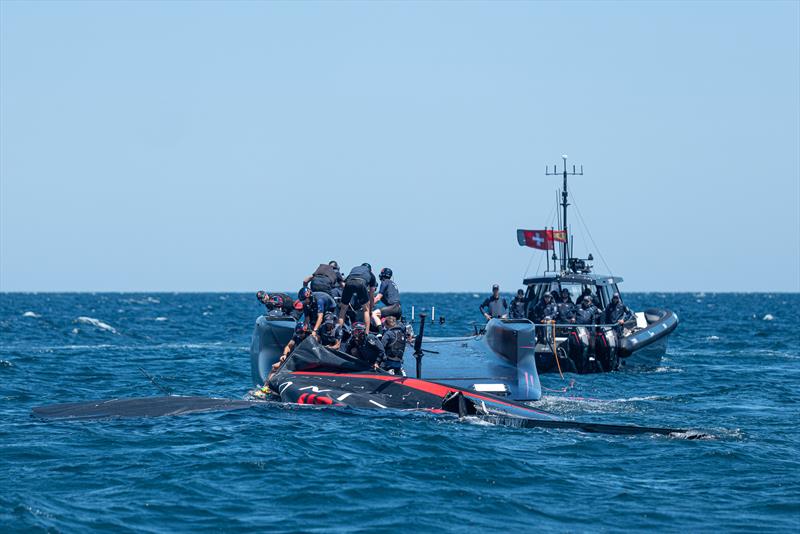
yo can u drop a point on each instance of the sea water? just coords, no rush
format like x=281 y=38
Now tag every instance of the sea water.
x=732 y=370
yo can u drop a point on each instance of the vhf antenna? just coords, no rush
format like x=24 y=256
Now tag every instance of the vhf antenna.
x=564 y=204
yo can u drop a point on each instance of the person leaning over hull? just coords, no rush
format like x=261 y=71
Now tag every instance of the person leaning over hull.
x=326 y=279
x=365 y=346
x=300 y=333
x=389 y=295
x=330 y=335
x=277 y=304
x=394 y=345
x=315 y=306
x=358 y=293
x=494 y=306
x=517 y=307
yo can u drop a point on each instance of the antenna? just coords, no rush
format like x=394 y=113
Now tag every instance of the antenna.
x=565 y=250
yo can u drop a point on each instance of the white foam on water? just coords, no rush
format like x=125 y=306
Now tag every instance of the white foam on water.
x=768 y=317
x=31 y=314
x=75 y=330
x=712 y=338
x=153 y=300
x=206 y=313
x=97 y=323
x=160 y=319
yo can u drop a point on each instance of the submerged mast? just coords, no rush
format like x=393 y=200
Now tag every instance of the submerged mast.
x=564 y=203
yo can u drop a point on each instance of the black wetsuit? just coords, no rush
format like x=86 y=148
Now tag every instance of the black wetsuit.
x=320 y=303
x=394 y=345
x=543 y=311
x=495 y=306
x=329 y=333
x=357 y=285
x=587 y=315
x=326 y=279
x=368 y=349
x=390 y=297
x=517 y=308
x=566 y=311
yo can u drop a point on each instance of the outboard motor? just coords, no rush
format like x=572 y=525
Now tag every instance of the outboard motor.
x=578 y=349
x=605 y=349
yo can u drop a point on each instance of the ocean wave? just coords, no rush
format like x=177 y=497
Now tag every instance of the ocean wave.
x=768 y=317
x=160 y=319
x=31 y=314
x=97 y=323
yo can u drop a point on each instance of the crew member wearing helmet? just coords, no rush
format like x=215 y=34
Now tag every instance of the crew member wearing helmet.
x=389 y=295
x=326 y=278
x=566 y=308
x=365 y=346
x=300 y=333
x=277 y=304
x=315 y=305
x=359 y=291
x=330 y=335
x=587 y=313
x=545 y=311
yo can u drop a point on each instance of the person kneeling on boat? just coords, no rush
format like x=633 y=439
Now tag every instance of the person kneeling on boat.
x=315 y=306
x=359 y=291
x=365 y=346
x=330 y=335
x=277 y=304
x=494 y=306
x=394 y=345
x=544 y=312
x=300 y=333
x=389 y=295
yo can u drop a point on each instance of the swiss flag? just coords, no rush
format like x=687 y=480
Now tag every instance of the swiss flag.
x=541 y=239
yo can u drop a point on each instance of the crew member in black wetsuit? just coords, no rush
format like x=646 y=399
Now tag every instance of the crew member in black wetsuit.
x=517 y=307
x=365 y=346
x=359 y=291
x=277 y=304
x=394 y=344
x=587 y=313
x=301 y=332
x=566 y=308
x=326 y=278
x=389 y=295
x=544 y=312
x=494 y=306
x=315 y=305
x=330 y=335
x=617 y=313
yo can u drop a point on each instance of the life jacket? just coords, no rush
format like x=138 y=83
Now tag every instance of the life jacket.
x=396 y=348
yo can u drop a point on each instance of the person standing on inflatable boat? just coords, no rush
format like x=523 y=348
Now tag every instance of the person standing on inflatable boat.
x=389 y=295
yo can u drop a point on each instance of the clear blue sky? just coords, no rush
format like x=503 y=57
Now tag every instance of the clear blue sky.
x=234 y=146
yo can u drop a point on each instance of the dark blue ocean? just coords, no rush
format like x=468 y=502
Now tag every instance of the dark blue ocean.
x=732 y=370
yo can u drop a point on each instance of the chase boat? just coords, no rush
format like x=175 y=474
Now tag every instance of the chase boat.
x=640 y=342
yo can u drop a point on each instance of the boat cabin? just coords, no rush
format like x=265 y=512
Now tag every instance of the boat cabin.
x=602 y=287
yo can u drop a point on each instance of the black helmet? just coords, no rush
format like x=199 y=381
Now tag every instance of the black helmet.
x=333 y=264
x=359 y=329
x=520 y=292
x=303 y=293
x=547 y=296
x=386 y=273
x=261 y=295
x=300 y=328
x=564 y=291
x=367 y=265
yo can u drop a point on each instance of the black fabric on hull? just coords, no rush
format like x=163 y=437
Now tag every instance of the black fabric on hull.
x=138 y=407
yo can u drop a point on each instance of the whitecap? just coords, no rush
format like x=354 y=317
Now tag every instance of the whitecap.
x=31 y=314
x=206 y=313
x=476 y=296
x=160 y=319
x=75 y=330
x=97 y=323
x=768 y=317
x=153 y=300
x=712 y=338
